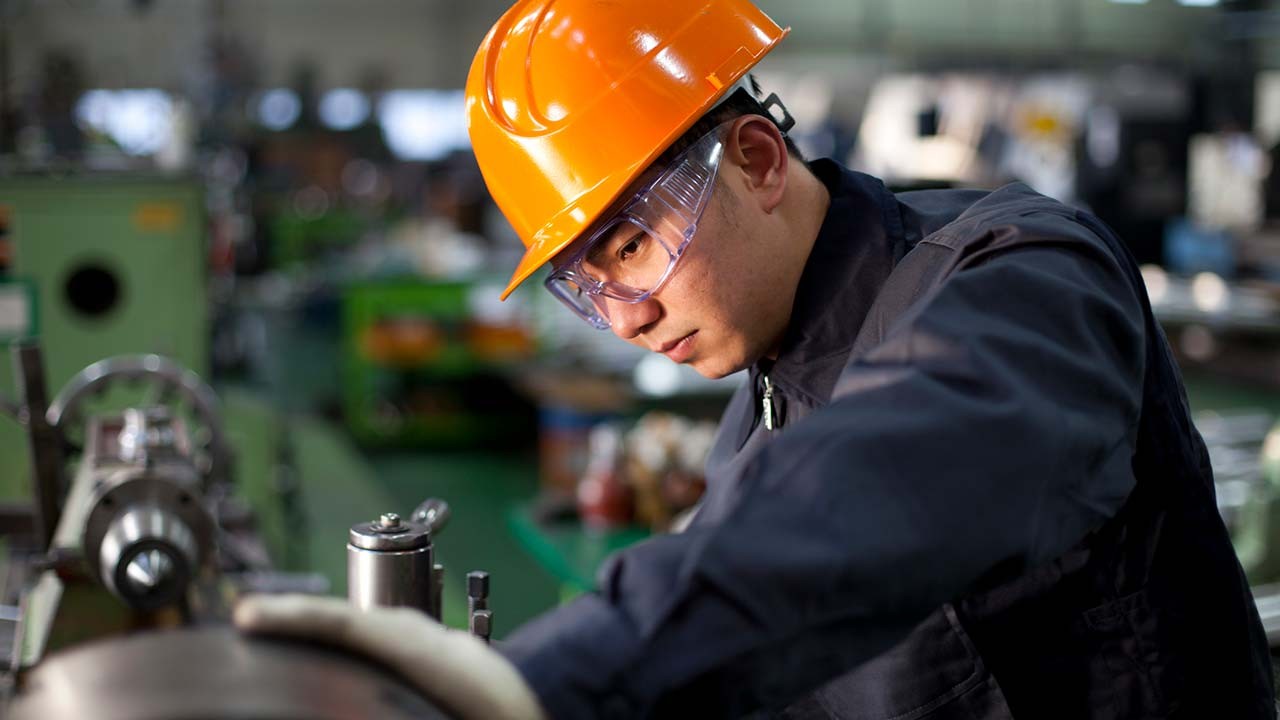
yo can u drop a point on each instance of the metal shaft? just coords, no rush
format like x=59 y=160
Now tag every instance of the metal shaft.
x=43 y=440
x=389 y=579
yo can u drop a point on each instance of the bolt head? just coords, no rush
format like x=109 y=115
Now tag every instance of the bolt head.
x=478 y=584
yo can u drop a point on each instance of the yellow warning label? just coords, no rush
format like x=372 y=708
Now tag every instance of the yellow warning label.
x=157 y=217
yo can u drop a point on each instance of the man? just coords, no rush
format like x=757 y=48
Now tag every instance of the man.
x=961 y=481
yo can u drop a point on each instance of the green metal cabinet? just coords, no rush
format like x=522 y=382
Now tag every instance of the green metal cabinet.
x=116 y=264
x=421 y=369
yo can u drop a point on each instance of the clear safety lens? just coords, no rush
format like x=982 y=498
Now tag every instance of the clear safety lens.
x=631 y=257
x=628 y=253
x=588 y=307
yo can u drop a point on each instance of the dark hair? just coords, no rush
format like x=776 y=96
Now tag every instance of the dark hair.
x=739 y=103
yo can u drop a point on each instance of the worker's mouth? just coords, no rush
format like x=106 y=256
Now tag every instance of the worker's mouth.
x=680 y=350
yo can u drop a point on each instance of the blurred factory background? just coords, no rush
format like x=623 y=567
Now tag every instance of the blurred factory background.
x=279 y=196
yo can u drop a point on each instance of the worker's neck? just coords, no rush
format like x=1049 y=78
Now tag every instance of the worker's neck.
x=804 y=208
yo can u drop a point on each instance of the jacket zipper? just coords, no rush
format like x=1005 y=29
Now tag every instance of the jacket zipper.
x=767 y=403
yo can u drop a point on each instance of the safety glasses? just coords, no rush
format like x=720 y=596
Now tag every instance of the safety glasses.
x=631 y=255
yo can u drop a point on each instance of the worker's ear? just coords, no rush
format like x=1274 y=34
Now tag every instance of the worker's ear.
x=756 y=149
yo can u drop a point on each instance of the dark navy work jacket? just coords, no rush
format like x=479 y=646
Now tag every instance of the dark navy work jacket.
x=979 y=496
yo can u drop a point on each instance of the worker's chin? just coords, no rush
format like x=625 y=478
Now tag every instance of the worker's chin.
x=715 y=368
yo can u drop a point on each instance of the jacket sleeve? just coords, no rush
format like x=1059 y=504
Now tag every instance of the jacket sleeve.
x=994 y=425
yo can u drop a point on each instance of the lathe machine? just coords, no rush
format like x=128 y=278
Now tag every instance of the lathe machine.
x=121 y=572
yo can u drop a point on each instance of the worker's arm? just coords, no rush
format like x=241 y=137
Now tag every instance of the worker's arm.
x=994 y=425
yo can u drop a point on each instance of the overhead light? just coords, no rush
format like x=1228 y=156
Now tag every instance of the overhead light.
x=343 y=109
x=279 y=109
x=424 y=124
x=139 y=121
x=1197 y=3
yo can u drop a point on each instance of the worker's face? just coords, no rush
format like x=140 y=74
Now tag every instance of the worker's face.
x=725 y=305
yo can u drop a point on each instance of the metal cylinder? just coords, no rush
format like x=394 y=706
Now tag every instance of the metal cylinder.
x=148 y=556
x=389 y=564
x=146 y=533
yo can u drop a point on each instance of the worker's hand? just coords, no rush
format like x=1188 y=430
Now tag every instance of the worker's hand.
x=450 y=667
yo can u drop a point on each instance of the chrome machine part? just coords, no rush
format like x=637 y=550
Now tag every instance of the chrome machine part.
x=147 y=557
x=146 y=538
x=389 y=564
x=136 y=509
x=213 y=673
x=168 y=384
x=434 y=513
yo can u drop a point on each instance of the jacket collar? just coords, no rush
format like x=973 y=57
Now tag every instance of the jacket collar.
x=858 y=245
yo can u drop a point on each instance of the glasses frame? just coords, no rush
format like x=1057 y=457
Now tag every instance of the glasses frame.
x=706 y=153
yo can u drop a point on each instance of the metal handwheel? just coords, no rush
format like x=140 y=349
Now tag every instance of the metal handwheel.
x=165 y=383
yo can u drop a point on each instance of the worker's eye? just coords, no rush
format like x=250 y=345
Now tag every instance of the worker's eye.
x=627 y=244
x=633 y=246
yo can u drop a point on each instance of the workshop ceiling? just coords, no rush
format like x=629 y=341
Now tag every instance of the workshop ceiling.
x=429 y=43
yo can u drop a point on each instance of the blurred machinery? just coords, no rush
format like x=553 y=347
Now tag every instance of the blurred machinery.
x=391 y=562
x=132 y=510
x=1246 y=485
x=426 y=363
x=1244 y=448
x=1115 y=143
x=98 y=266
x=118 y=582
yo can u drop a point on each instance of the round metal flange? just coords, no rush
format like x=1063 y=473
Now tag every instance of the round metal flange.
x=140 y=511
x=213 y=673
x=382 y=536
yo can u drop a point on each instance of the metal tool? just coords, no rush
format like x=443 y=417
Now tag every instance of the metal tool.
x=479 y=616
x=482 y=624
x=434 y=513
x=390 y=563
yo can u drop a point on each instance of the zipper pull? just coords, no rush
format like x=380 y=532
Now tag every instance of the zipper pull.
x=767 y=403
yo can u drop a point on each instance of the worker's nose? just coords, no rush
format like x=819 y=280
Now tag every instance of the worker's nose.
x=629 y=320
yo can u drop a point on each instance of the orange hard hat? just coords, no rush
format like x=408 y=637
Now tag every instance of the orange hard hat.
x=569 y=101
